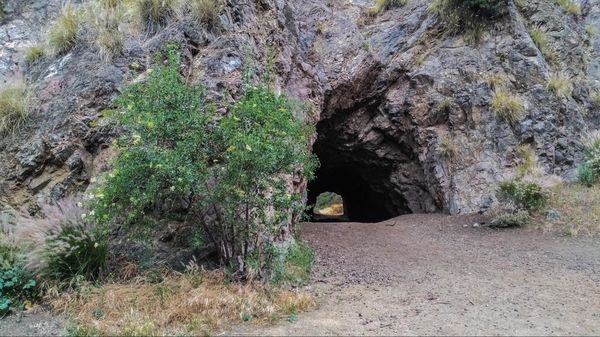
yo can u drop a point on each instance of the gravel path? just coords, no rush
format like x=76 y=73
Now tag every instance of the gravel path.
x=431 y=275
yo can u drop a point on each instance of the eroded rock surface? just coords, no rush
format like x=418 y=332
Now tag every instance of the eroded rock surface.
x=387 y=92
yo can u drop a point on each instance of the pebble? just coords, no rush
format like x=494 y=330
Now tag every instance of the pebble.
x=476 y=225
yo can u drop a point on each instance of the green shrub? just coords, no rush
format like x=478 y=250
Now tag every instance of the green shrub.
x=63 y=246
x=586 y=175
x=205 y=12
x=62 y=34
x=519 y=218
x=230 y=173
x=14 y=107
x=16 y=284
x=291 y=266
x=591 y=166
x=507 y=106
x=34 y=53
x=524 y=195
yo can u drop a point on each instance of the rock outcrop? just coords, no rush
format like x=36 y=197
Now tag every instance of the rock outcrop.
x=388 y=92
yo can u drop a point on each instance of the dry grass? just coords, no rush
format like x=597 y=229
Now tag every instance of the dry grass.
x=62 y=34
x=540 y=38
x=191 y=303
x=448 y=148
x=569 y=6
x=34 y=53
x=578 y=210
x=497 y=80
x=383 y=5
x=205 y=12
x=152 y=15
x=507 y=106
x=528 y=161
x=560 y=85
x=14 y=107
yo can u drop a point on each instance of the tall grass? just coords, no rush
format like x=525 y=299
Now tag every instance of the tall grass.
x=14 y=107
x=507 y=106
x=205 y=12
x=62 y=34
x=152 y=15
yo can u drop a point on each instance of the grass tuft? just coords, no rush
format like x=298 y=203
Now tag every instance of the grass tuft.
x=62 y=34
x=560 y=85
x=384 y=5
x=507 y=106
x=14 y=107
x=447 y=148
x=205 y=12
x=34 y=53
x=540 y=38
x=569 y=6
x=152 y=15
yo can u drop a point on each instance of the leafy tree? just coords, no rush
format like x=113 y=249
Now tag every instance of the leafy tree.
x=230 y=176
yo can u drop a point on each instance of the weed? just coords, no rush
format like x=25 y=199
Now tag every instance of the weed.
x=586 y=175
x=447 y=148
x=519 y=218
x=497 y=81
x=14 y=107
x=507 y=106
x=525 y=195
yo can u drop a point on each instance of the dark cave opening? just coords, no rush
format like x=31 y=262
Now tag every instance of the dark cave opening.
x=353 y=170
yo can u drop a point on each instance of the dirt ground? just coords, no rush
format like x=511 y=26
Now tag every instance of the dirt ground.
x=431 y=275
x=434 y=275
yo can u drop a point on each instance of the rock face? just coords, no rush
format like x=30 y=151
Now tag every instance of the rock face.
x=389 y=93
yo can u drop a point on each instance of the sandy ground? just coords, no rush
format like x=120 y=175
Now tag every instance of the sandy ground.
x=430 y=275
x=433 y=275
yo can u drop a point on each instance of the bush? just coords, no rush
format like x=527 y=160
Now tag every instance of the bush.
x=512 y=219
x=16 y=284
x=34 y=53
x=524 y=195
x=507 y=106
x=205 y=12
x=62 y=34
x=228 y=176
x=293 y=266
x=63 y=246
x=586 y=175
x=14 y=107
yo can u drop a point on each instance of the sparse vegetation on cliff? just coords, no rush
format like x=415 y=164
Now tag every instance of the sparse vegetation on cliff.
x=14 y=107
x=560 y=85
x=62 y=34
x=507 y=106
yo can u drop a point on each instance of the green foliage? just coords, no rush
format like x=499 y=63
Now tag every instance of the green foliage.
x=62 y=34
x=230 y=174
x=16 y=284
x=82 y=331
x=524 y=195
x=74 y=252
x=589 y=171
x=507 y=106
x=384 y=5
x=205 y=12
x=14 y=107
x=586 y=175
x=291 y=266
x=327 y=199
x=34 y=53
x=512 y=219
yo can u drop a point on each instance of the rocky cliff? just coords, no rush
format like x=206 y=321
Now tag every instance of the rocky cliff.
x=403 y=107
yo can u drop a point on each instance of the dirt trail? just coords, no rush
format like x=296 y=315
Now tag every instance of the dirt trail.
x=428 y=274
